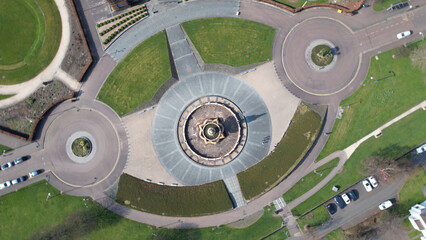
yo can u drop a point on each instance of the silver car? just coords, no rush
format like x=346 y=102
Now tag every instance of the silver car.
x=7 y=166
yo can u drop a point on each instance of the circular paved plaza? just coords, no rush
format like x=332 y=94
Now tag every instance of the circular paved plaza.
x=229 y=103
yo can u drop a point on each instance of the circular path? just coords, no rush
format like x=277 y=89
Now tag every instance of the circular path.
x=315 y=81
x=101 y=131
x=185 y=92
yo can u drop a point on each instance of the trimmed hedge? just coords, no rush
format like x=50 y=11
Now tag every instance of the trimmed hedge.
x=173 y=201
x=296 y=142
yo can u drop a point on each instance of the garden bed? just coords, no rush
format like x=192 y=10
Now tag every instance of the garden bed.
x=113 y=27
x=298 y=139
x=205 y=199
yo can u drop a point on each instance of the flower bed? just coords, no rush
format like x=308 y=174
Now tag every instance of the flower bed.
x=111 y=28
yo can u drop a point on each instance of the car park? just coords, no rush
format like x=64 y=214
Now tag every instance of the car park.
x=331 y=208
x=373 y=181
x=35 y=173
x=404 y=34
x=367 y=185
x=346 y=198
x=353 y=195
x=339 y=201
x=385 y=205
x=7 y=165
x=18 y=180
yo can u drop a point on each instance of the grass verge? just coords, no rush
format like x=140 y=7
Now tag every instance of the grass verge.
x=138 y=76
x=297 y=4
x=381 y=5
x=173 y=201
x=296 y=142
x=400 y=86
x=280 y=235
x=309 y=181
x=2 y=148
x=411 y=193
x=336 y=234
x=314 y=218
x=41 y=24
x=30 y=216
x=231 y=41
x=396 y=140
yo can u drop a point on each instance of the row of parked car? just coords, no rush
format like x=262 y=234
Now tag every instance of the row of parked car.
x=20 y=179
x=343 y=200
x=14 y=162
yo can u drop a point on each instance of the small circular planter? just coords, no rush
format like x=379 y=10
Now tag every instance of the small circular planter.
x=81 y=147
x=320 y=55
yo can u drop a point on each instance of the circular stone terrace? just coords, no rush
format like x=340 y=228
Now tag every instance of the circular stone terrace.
x=210 y=95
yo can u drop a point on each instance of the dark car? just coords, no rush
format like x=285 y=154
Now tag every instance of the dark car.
x=340 y=202
x=331 y=208
x=353 y=195
x=21 y=159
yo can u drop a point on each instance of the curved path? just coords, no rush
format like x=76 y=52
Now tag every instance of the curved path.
x=249 y=10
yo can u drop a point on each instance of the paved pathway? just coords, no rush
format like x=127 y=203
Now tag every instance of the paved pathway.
x=234 y=190
x=185 y=61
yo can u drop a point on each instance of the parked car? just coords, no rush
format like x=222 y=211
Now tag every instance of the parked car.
x=35 y=173
x=346 y=198
x=367 y=185
x=353 y=195
x=404 y=34
x=373 y=181
x=20 y=159
x=340 y=202
x=5 y=184
x=331 y=208
x=18 y=180
x=385 y=205
x=7 y=165
x=421 y=149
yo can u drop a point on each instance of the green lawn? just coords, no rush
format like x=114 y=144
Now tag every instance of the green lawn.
x=231 y=41
x=309 y=181
x=377 y=103
x=4 y=148
x=298 y=139
x=413 y=234
x=138 y=76
x=314 y=218
x=381 y=5
x=29 y=216
x=396 y=140
x=280 y=235
x=5 y=96
x=411 y=193
x=173 y=201
x=31 y=32
x=300 y=2
x=336 y=234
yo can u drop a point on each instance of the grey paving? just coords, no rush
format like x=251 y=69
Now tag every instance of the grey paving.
x=234 y=190
x=167 y=18
x=179 y=96
x=185 y=61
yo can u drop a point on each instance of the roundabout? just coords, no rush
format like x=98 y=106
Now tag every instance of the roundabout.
x=96 y=165
x=297 y=61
